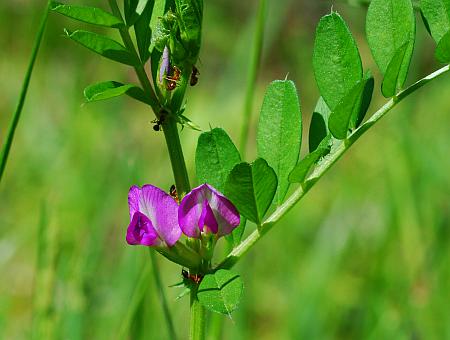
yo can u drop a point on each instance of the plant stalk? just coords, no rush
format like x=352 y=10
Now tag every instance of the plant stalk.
x=176 y=155
x=23 y=93
x=327 y=163
x=197 y=327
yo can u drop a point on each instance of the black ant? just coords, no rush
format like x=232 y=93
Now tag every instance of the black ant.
x=194 y=76
x=173 y=193
x=159 y=122
x=196 y=278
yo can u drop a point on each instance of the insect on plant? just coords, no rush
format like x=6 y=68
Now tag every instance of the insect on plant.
x=173 y=193
x=194 y=76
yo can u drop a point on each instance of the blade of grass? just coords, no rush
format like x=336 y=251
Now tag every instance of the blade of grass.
x=23 y=93
x=136 y=299
x=43 y=326
x=252 y=75
x=162 y=296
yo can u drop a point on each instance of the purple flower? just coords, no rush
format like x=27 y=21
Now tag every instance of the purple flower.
x=206 y=210
x=153 y=217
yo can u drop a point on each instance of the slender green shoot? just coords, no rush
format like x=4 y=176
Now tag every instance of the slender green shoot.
x=23 y=93
x=327 y=163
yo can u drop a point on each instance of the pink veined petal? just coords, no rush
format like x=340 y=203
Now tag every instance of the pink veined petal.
x=193 y=212
x=141 y=231
x=162 y=210
x=133 y=200
x=225 y=212
x=190 y=211
x=207 y=219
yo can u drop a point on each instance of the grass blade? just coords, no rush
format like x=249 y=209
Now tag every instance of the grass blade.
x=23 y=93
x=44 y=318
x=162 y=296
x=252 y=75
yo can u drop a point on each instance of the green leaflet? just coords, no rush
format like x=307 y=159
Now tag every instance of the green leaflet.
x=215 y=157
x=90 y=15
x=133 y=10
x=143 y=31
x=279 y=135
x=235 y=237
x=390 y=83
x=111 y=89
x=366 y=98
x=318 y=128
x=251 y=188
x=336 y=60
x=221 y=292
x=157 y=13
x=104 y=46
x=302 y=169
x=390 y=24
x=443 y=49
x=350 y=106
x=437 y=16
x=190 y=14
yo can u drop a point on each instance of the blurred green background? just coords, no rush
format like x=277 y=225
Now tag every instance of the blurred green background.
x=365 y=255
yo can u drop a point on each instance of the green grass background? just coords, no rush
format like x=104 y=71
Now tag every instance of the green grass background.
x=366 y=255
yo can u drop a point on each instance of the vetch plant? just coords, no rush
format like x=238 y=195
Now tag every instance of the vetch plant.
x=161 y=41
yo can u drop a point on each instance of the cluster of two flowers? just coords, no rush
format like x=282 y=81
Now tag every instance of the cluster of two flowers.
x=157 y=220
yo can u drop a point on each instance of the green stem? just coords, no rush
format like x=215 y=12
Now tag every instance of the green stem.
x=197 y=329
x=327 y=163
x=176 y=155
x=162 y=296
x=23 y=93
x=169 y=125
x=252 y=75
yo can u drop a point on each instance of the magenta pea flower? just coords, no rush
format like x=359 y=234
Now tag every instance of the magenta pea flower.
x=206 y=210
x=153 y=217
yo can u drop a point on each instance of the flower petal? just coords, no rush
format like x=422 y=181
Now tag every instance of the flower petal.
x=207 y=219
x=141 y=231
x=193 y=214
x=162 y=210
x=226 y=214
x=133 y=200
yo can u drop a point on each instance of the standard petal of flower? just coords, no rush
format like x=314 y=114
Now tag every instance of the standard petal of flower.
x=207 y=218
x=162 y=210
x=141 y=231
x=190 y=211
x=133 y=200
x=226 y=214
